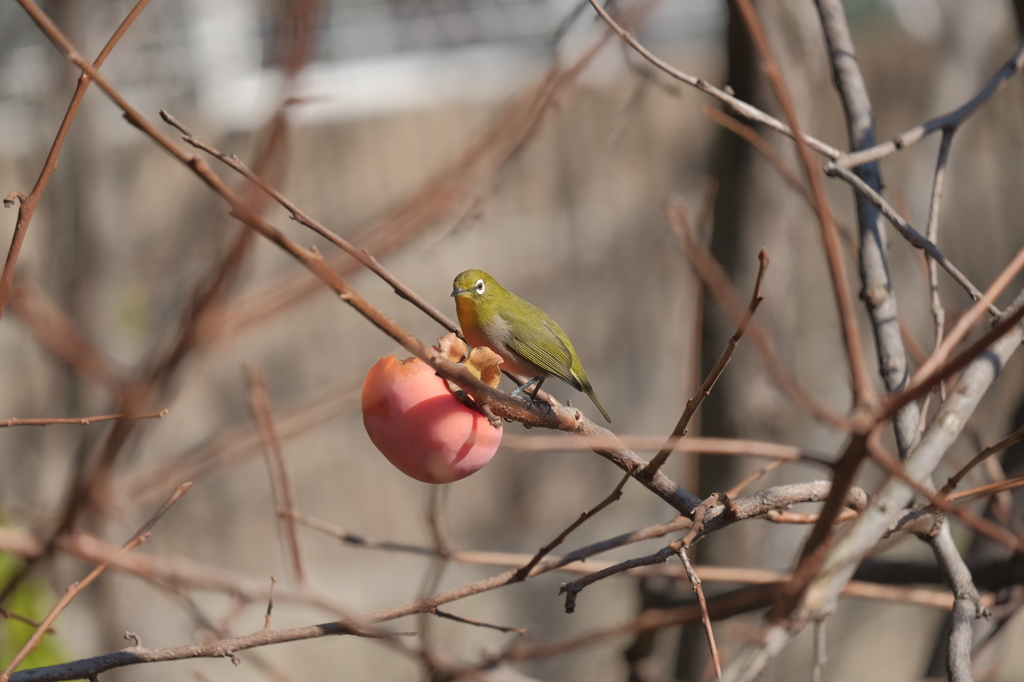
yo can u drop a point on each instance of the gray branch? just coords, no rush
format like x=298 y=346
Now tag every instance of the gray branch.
x=874 y=266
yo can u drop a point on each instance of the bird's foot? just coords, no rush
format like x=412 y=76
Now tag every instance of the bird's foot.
x=531 y=398
x=521 y=391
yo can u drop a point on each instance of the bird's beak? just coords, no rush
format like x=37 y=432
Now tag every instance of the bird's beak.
x=459 y=290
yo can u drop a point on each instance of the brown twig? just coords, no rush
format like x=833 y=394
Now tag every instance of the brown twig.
x=703 y=445
x=613 y=496
x=926 y=519
x=954 y=480
x=477 y=623
x=705 y=619
x=280 y=476
x=63 y=338
x=445 y=193
x=91 y=483
x=938 y=368
x=761 y=145
x=990 y=489
x=748 y=507
x=76 y=587
x=863 y=393
x=28 y=204
x=503 y=405
x=10 y=615
x=680 y=221
x=79 y=421
x=741 y=108
x=718 y=283
x=237 y=445
x=362 y=256
x=755 y=476
x=572 y=589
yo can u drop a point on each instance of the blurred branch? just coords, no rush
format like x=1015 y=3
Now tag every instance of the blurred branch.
x=939 y=366
x=90 y=668
x=720 y=287
x=881 y=304
x=739 y=447
x=863 y=392
x=76 y=587
x=231 y=447
x=442 y=195
x=681 y=223
x=280 y=476
x=877 y=518
x=362 y=256
x=90 y=487
x=62 y=338
x=562 y=418
x=27 y=204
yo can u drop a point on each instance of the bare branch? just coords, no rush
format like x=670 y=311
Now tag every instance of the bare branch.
x=946 y=121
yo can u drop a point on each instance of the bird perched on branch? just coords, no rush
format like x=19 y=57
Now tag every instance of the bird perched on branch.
x=529 y=342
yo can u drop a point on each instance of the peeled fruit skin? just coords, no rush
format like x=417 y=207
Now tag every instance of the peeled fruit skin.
x=414 y=419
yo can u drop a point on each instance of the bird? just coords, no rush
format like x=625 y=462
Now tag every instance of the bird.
x=529 y=342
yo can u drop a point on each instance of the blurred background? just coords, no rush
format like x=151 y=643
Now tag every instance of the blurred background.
x=513 y=136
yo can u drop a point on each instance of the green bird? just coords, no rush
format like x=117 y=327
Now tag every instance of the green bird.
x=529 y=342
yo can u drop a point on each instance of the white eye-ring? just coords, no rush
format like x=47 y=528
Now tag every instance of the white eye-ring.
x=479 y=286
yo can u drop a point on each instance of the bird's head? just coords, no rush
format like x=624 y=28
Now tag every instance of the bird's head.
x=476 y=286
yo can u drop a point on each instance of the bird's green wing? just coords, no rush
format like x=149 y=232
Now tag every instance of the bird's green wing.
x=547 y=351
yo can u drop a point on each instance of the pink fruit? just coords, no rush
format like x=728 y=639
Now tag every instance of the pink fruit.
x=420 y=426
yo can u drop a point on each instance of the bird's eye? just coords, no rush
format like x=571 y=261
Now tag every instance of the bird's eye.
x=479 y=286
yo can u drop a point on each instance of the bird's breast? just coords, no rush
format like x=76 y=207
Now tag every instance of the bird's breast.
x=495 y=334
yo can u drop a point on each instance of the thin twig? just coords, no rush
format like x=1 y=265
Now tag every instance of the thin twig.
x=681 y=222
x=913 y=237
x=477 y=623
x=280 y=475
x=572 y=589
x=755 y=476
x=613 y=496
x=705 y=619
x=945 y=121
x=740 y=107
x=989 y=489
x=863 y=392
x=76 y=587
x=718 y=283
x=361 y=255
x=28 y=204
x=80 y=421
x=954 y=480
x=932 y=234
x=270 y=604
